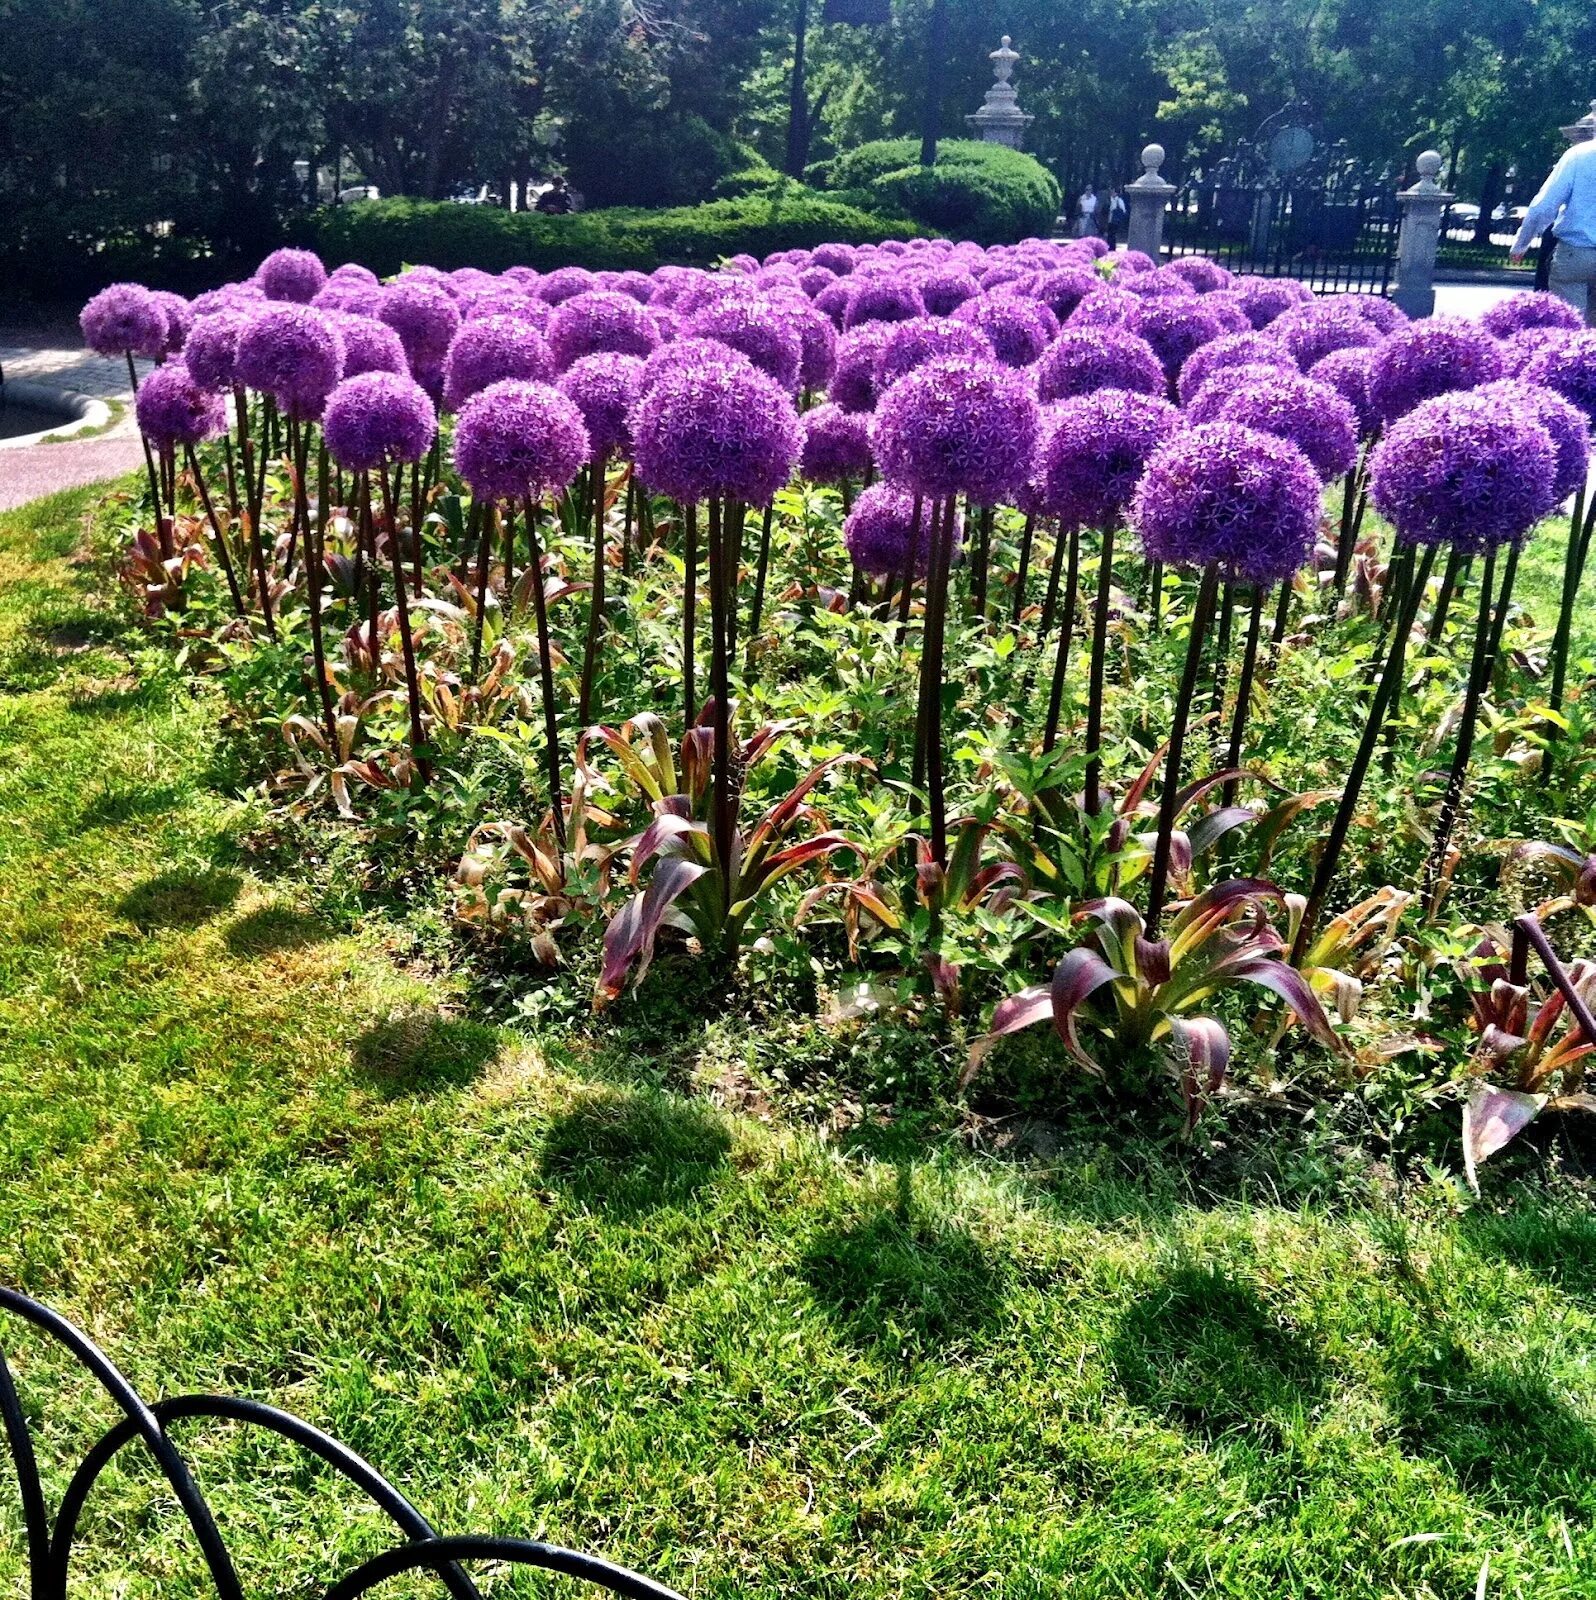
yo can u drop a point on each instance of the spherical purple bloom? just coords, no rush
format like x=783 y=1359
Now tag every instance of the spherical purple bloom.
x=1424 y=359
x=511 y=303
x=1128 y=261
x=1020 y=329
x=1083 y=360
x=946 y=289
x=1263 y=299
x=956 y=426
x=349 y=296
x=230 y=297
x=604 y=388
x=291 y=275
x=378 y=419
x=1310 y=415
x=424 y=316
x=1226 y=305
x=853 y=383
x=1347 y=372
x=685 y=355
x=1159 y=284
x=294 y=354
x=1210 y=395
x=998 y=274
x=1569 y=367
x=369 y=345
x=174 y=410
x=179 y=320
x=1095 y=450
x=211 y=353
x=1203 y=275
x=1224 y=495
x=351 y=272
x=836 y=445
x=565 y=283
x=1177 y=328
x=883 y=299
x=813 y=279
x=911 y=344
x=1311 y=331
x=1464 y=469
x=880 y=528
x=490 y=351
x=1385 y=314
x=840 y=258
x=1108 y=308
x=756 y=329
x=817 y=338
x=713 y=432
x=1519 y=349
x=1565 y=425
x=519 y=439
x=597 y=321
x=1062 y=289
x=1530 y=310
x=1231 y=350
x=832 y=302
x=126 y=317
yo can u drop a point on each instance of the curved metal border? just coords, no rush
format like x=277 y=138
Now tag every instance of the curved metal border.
x=522 y=1552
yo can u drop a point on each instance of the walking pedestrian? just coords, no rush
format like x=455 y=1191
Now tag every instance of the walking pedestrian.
x=1567 y=205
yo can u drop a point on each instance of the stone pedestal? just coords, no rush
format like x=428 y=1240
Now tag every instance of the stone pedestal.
x=1000 y=120
x=1417 y=243
x=1146 y=201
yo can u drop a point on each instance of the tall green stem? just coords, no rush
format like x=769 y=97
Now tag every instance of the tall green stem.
x=1094 y=692
x=551 y=723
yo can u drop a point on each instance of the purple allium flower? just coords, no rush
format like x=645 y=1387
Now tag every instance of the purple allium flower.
x=756 y=329
x=600 y=320
x=565 y=283
x=1569 y=367
x=1159 y=284
x=879 y=529
x=1424 y=359
x=1519 y=349
x=946 y=289
x=1226 y=305
x=1108 y=308
x=174 y=410
x=832 y=302
x=1203 y=275
x=351 y=272
x=1311 y=331
x=230 y=297
x=604 y=388
x=490 y=351
x=1062 y=289
x=1095 y=450
x=1224 y=494
x=912 y=344
x=1263 y=299
x=836 y=444
x=813 y=279
x=1231 y=350
x=211 y=354
x=1466 y=470
x=840 y=258
x=1385 y=314
x=882 y=299
x=685 y=355
x=1310 y=415
x=378 y=419
x=511 y=303
x=1020 y=329
x=527 y=279
x=1128 y=261
x=294 y=354
x=853 y=383
x=1176 y=328
x=1530 y=310
x=1347 y=372
x=519 y=439
x=179 y=320
x=956 y=426
x=1083 y=360
x=292 y=275
x=716 y=432
x=125 y=317
x=369 y=345
x=424 y=316
x=349 y=296
x=637 y=284
x=1565 y=424
x=817 y=338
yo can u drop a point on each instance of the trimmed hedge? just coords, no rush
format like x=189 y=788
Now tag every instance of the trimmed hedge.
x=386 y=234
x=975 y=191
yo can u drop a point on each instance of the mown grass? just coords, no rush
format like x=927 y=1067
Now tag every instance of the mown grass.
x=552 y=1297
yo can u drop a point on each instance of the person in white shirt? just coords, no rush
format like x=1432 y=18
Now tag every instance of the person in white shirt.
x=1567 y=204
x=1086 y=213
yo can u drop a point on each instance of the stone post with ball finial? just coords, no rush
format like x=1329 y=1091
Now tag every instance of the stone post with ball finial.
x=1146 y=201
x=1420 y=238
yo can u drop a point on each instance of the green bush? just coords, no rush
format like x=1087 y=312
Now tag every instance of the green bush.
x=975 y=191
x=666 y=160
x=386 y=234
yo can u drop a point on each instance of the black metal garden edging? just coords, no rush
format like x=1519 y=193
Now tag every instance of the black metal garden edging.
x=50 y=1545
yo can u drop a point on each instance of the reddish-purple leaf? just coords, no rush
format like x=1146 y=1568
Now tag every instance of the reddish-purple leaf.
x=1075 y=980
x=1493 y=1118
x=1022 y=1010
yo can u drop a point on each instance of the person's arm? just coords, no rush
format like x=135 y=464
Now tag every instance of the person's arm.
x=1554 y=195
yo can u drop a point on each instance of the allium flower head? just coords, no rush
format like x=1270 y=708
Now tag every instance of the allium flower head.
x=1464 y=469
x=600 y=320
x=836 y=444
x=1095 y=450
x=1385 y=314
x=813 y=279
x=349 y=296
x=1226 y=305
x=511 y=303
x=424 y=316
x=912 y=344
x=839 y=258
x=1159 y=284
x=174 y=410
x=125 y=317
x=179 y=320
x=378 y=419
x=1176 y=328
x=1312 y=330
x=1310 y=415
x=1569 y=367
x=1347 y=372
x=230 y=297
x=1225 y=495
x=519 y=439
x=1565 y=425
x=1019 y=329
x=1211 y=394
x=292 y=275
x=1231 y=350
x=369 y=345
x=716 y=432
x=890 y=298
x=1530 y=310
x=684 y=355
x=817 y=338
x=1063 y=288
x=946 y=289
x=604 y=388
x=1519 y=349
x=880 y=528
x=832 y=302
x=211 y=354
x=490 y=351
x=1083 y=360
x=1128 y=262
x=1203 y=275
x=1108 y=307
x=294 y=354
x=565 y=283
x=1263 y=299
x=853 y=383
x=956 y=426
x=1424 y=359
x=758 y=330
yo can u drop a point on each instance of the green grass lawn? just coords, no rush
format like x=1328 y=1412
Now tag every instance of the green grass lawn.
x=551 y=1297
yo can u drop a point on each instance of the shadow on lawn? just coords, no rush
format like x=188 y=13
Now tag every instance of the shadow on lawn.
x=1557 y=1245
x=423 y=1052
x=115 y=805
x=630 y=1151
x=1204 y=1349
x=269 y=929
x=184 y=897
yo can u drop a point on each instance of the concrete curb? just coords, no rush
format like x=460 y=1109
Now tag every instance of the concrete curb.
x=78 y=412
